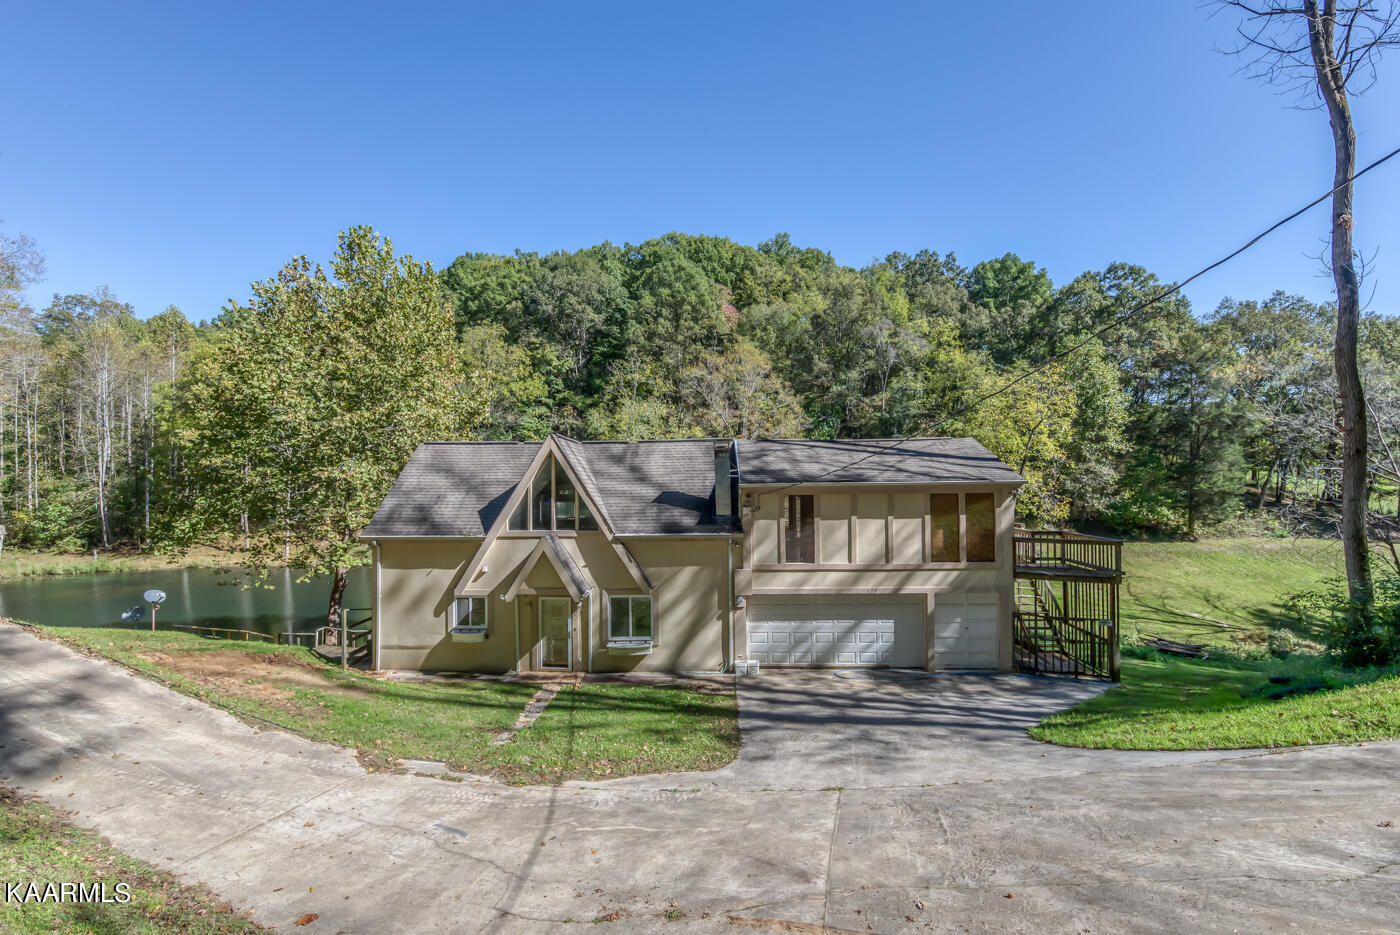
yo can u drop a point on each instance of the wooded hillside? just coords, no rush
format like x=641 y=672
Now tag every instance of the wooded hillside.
x=1172 y=423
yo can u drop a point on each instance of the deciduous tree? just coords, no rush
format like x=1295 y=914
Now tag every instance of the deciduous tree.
x=312 y=400
x=1327 y=52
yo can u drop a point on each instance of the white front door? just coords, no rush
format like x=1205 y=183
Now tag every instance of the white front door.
x=556 y=632
x=965 y=630
x=836 y=631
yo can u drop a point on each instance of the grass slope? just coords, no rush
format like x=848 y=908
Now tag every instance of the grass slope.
x=593 y=731
x=37 y=845
x=1238 y=581
x=1165 y=703
x=18 y=564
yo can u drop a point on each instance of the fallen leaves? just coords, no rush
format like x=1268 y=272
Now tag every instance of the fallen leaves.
x=308 y=918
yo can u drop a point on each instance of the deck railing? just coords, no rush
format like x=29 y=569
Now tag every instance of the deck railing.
x=1068 y=627
x=225 y=633
x=1057 y=550
x=349 y=638
x=1066 y=611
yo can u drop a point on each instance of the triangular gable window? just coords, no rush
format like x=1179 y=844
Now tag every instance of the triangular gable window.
x=553 y=503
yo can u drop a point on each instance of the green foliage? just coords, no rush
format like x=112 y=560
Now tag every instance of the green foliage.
x=1167 y=424
x=737 y=395
x=63 y=512
x=296 y=421
x=512 y=379
x=1062 y=429
x=1359 y=633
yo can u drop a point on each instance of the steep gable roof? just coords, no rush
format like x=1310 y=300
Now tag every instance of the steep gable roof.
x=640 y=488
x=577 y=581
x=871 y=461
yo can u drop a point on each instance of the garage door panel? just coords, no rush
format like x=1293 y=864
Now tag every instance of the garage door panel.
x=835 y=631
x=966 y=630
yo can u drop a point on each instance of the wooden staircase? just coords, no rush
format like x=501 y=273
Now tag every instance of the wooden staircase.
x=1066 y=603
x=351 y=643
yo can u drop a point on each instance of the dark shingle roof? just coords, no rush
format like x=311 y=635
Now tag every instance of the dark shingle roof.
x=871 y=461
x=656 y=487
x=641 y=488
x=451 y=489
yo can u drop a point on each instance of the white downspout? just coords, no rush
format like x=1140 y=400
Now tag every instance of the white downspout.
x=729 y=609
x=378 y=630
x=515 y=665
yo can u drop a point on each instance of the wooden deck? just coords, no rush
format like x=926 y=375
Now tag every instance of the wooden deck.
x=1066 y=608
x=1077 y=572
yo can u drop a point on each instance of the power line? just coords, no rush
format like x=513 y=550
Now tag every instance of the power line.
x=1116 y=323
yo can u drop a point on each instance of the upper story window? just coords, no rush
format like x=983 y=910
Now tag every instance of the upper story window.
x=553 y=504
x=799 y=529
x=962 y=527
x=945 y=543
x=981 y=527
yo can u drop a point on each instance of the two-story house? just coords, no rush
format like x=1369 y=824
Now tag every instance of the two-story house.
x=688 y=555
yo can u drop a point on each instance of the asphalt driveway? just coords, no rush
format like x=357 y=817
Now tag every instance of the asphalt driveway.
x=945 y=819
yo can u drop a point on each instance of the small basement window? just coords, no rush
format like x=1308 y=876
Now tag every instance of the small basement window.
x=629 y=620
x=469 y=617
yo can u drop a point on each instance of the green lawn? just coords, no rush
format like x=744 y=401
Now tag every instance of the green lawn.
x=1242 y=582
x=1166 y=703
x=594 y=731
x=37 y=845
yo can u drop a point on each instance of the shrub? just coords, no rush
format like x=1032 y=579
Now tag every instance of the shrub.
x=1359 y=634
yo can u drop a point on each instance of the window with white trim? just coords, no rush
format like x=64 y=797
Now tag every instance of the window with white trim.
x=629 y=619
x=469 y=614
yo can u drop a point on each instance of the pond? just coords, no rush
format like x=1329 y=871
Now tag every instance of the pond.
x=198 y=596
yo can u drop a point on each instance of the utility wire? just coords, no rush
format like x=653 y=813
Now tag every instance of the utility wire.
x=1118 y=322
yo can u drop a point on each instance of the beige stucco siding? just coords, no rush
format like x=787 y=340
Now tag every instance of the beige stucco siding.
x=891 y=528
x=690 y=605
x=907 y=526
x=765 y=539
x=834 y=529
x=871 y=509
x=416 y=579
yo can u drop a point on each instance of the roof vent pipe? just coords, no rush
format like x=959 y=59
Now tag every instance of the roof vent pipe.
x=724 y=501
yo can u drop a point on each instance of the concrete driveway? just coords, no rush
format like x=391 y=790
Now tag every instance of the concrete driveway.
x=814 y=729
x=947 y=819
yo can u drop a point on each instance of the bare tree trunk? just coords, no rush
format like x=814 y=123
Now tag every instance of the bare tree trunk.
x=1331 y=82
x=337 y=597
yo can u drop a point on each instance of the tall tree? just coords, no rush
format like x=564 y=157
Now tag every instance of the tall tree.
x=737 y=394
x=309 y=405
x=1332 y=51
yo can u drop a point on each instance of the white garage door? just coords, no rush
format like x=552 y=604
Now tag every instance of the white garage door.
x=836 y=631
x=965 y=631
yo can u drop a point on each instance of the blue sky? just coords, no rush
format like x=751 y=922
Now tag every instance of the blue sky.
x=177 y=152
